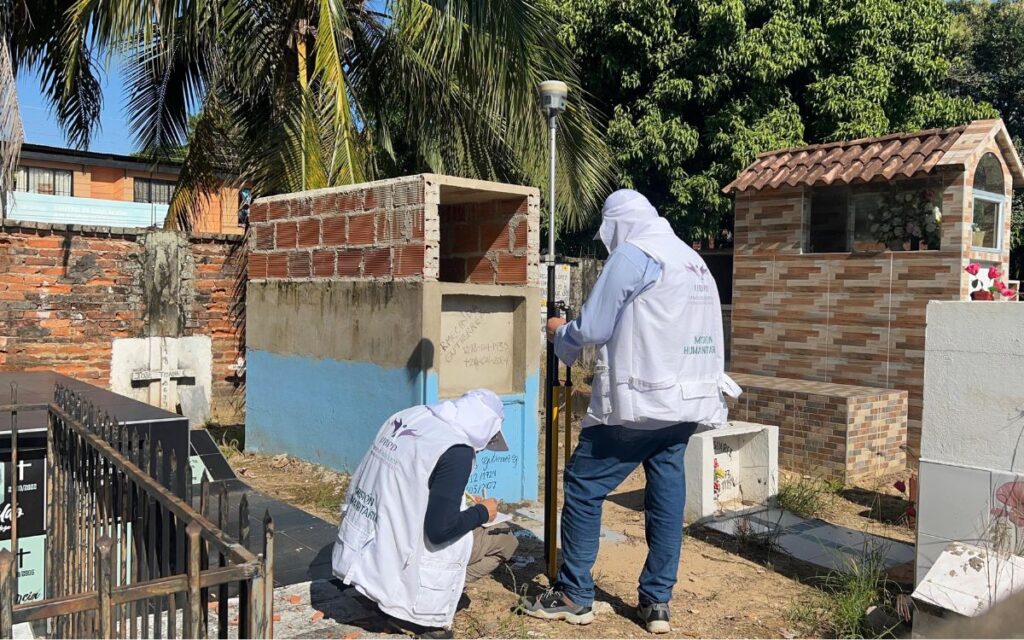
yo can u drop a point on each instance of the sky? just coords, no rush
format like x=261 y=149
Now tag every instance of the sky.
x=41 y=127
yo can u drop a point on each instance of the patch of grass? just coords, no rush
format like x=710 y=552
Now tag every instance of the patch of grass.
x=750 y=537
x=841 y=610
x=324 y=495
x=806 y=497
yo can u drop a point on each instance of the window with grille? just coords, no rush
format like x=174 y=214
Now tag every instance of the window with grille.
x=51 y=182
x=153 y=191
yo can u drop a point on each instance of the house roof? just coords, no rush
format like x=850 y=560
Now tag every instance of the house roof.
x=31 y=152
x=866 y=159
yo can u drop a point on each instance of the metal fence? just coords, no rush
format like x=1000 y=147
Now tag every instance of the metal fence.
x=126 y=557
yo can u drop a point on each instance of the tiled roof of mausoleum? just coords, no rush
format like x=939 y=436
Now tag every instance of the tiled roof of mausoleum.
x=866 y=159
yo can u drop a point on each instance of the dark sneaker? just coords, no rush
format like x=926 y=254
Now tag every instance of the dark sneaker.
x=655 y=617
x=555 y=605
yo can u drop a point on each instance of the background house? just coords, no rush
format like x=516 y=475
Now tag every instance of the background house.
x=838 y=250
x=65 y=186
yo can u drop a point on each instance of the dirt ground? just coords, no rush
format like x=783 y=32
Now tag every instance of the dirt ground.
x=722 y=591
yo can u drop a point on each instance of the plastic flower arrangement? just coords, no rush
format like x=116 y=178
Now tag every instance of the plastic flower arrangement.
x=997 y=287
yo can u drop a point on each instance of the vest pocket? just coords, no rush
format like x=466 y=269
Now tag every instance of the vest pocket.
x=438 y=581
x=600 y=392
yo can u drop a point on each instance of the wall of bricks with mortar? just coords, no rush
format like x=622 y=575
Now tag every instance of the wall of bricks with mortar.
x=376 y=232
x=65 y=295
x=383 y=231
x=484 y=243
x=854 y=434
x=849 y=318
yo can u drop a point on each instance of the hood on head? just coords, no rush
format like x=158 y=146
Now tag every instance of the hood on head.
x=478 y=414
x=625 y=213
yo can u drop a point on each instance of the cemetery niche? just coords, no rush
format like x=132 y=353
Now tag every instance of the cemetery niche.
x=365 y=300
x=840 y=246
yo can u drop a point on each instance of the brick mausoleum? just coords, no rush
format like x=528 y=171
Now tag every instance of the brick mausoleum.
x=825 y=290
x=368 y=299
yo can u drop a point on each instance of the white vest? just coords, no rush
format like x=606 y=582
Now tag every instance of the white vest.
x=666 y=358
x=381 y=548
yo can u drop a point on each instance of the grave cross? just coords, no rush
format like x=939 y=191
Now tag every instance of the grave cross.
x=165 y=377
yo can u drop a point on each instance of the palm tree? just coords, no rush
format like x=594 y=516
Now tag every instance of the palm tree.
x=290 y=95
x=11 y=133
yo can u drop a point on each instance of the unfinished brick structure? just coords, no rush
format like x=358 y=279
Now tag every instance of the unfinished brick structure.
x=816 y=297
x=396 y=230
x=368 y=299
x=66 y=293
x=853 y=434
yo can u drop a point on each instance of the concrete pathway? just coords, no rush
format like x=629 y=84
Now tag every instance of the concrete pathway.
x=815 y=541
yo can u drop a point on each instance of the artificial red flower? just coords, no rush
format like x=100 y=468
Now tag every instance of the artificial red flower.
x=1012 y=495
x=973 y=268
x=1007 y=292
x=911 y=511
x=900 y=486
x=994 y=273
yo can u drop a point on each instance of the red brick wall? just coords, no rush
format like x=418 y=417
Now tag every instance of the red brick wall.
x=374 y=232
x=65 y=295
x=484 y=243
x=400 y=229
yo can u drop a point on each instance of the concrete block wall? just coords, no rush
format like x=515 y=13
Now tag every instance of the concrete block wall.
x=972 y=446
x=67 y=292
x=850 y=433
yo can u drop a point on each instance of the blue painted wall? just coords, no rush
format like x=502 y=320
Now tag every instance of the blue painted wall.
x=327 y=411
x=322 y=410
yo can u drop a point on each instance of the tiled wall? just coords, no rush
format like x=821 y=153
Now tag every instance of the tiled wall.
x=846 y=432
x=848 y=318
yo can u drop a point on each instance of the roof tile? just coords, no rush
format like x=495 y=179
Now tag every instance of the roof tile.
x=849 y=160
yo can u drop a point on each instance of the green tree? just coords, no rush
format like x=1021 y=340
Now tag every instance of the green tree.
x=692 y=90
x=990 y=68
x=301 y=94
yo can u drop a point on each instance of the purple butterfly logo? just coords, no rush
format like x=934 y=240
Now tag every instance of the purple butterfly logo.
x=398 y=425
x=698 y=270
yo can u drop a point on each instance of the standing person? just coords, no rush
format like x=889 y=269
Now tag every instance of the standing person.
x=408 y=540
x=660 y=371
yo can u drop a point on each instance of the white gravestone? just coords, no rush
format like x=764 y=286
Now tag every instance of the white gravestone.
x=731 y=468
x=151 y=369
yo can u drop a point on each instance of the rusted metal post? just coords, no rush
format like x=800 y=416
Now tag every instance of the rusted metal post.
x=104 y=585
x=14 y=477
x=193 y=612
x=268 y=573
x=245 y=587
x=6 y=594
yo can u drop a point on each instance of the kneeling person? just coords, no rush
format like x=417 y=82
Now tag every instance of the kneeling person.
x=408 y=540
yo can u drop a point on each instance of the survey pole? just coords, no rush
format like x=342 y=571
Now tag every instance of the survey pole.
x=552 y=95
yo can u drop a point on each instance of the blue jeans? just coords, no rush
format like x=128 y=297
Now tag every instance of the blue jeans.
x=604 y=458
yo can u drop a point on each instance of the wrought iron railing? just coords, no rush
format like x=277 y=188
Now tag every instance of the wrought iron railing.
x=126 y=557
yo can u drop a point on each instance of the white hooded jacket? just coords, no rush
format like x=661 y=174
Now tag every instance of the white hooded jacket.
x=665 y=360
x=381 y=548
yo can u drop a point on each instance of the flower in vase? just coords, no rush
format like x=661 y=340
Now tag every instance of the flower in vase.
x=973 y=268
x=900 y=486
x=1007 y=292
x=1011 y=494
x=994 y=273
